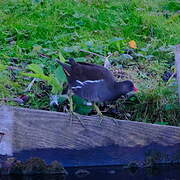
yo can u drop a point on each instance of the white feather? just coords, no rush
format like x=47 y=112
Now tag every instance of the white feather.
x=88 y=81
x=79 y=82
x=94 y=81
x=76 y=87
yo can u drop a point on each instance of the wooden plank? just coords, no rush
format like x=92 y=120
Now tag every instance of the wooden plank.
x=6 y=127
x=177 y=58
x=50 y=136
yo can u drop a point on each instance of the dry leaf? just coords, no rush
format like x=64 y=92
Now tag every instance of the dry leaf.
x=132 y=44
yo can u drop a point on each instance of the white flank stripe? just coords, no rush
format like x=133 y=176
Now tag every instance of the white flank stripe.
x=95 y=81
x=86 y=82
x=88 y=104
x=79 y=82
x=76 y=87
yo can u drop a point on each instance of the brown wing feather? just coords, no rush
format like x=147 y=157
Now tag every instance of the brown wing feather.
x=85 y=71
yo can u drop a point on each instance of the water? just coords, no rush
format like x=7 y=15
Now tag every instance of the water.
x=109 y=173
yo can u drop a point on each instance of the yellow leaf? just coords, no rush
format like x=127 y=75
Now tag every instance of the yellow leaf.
x=132 y=44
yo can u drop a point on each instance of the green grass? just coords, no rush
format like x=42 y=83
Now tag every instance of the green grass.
x=32 y=27
x=56 y=24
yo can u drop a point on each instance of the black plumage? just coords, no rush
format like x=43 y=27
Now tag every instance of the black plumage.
x=94 y=82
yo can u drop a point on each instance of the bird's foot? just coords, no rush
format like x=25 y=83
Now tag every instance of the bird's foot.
x=101 y=117
x=115 y=121
x=99 y=113
x=77 y=116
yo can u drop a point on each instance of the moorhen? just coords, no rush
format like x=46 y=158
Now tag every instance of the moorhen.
x=94 y=83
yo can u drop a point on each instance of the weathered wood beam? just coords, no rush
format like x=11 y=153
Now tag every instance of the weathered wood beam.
x=177 y=58
x=28 y=130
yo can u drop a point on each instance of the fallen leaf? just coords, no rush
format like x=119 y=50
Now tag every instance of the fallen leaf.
x=132 y=44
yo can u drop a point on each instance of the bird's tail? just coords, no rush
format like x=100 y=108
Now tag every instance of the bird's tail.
x=72 y=61
x=66 y=67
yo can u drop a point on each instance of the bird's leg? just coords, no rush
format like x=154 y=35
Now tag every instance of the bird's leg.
x=72 y=113
x=71 y=108
x=99 y=113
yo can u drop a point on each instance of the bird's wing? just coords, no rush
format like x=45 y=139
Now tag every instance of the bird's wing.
x=92 y=90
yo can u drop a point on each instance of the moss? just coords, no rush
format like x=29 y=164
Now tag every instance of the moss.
x=176 y=157
x=56 y=168
x=17 y=168
x=33 y=166
x=132 y=167
x=153 y=157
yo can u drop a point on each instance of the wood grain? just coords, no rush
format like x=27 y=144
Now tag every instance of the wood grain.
x=37 y=129
x=177 y=58
x=6 y=127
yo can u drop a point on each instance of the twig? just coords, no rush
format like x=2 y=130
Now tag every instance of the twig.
x=95 y=54
x=177 y=58
x=107 y=64
x=18 y=100
x=14 y=68
x=171 y=77
x=30 y=85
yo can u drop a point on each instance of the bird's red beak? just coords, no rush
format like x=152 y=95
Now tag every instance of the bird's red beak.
x=135 y=89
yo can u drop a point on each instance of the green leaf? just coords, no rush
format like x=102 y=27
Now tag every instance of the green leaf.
x=52 y=79
x=78 y=15
x=71 y=49
x=133 y=99
x=80 y=105
x=81 y=59
x=161 y=123
x=37 y=48
x=125 y=57
x=62 y=98
x=169 y=107
x=34 y=75
x=61 y=57
x=78 y=100
x=115 y=39
x=60 y=75
x=3 y=67
x=36 y=68
x=144 y=49
x=37 y=1
x=138 y=54
x=82 y=109
x=56 y=86
x=149 y=57
x=89 y=44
